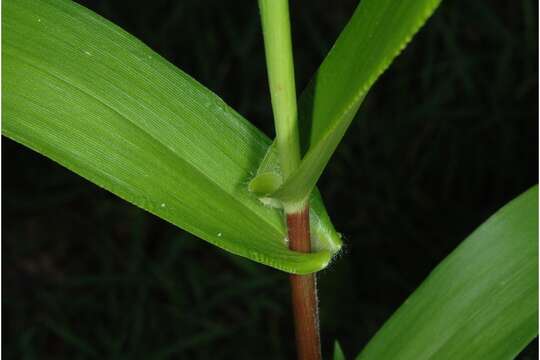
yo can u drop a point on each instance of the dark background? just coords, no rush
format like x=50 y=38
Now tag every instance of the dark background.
x=447 y=136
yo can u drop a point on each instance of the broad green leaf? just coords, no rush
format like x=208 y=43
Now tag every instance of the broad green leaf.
x=338 y=353
x=86 y=94
x=375 y=35
x=481 y=302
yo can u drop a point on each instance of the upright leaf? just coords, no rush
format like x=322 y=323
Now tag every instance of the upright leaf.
x=481 y=302
x=83 y=92
x=375 y=35
x=338 y=353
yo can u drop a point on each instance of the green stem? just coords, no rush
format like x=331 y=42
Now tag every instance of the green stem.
x=279 y=61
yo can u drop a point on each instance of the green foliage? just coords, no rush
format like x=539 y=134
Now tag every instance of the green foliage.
x=481 y=302
x=374 y=36
x=338 y=353
x=83 y=92
x=102 y=104
x=91 y=97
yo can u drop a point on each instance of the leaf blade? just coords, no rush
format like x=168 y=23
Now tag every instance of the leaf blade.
x=338 y=352
x=480 y=302
x=96 y=100
x=377 y=32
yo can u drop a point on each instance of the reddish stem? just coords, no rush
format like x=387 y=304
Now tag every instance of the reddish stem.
x=304 y=291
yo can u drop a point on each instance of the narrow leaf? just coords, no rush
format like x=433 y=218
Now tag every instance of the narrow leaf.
x=377 y=32
x=338 y=353
x=481 y=302
x=86 y=94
